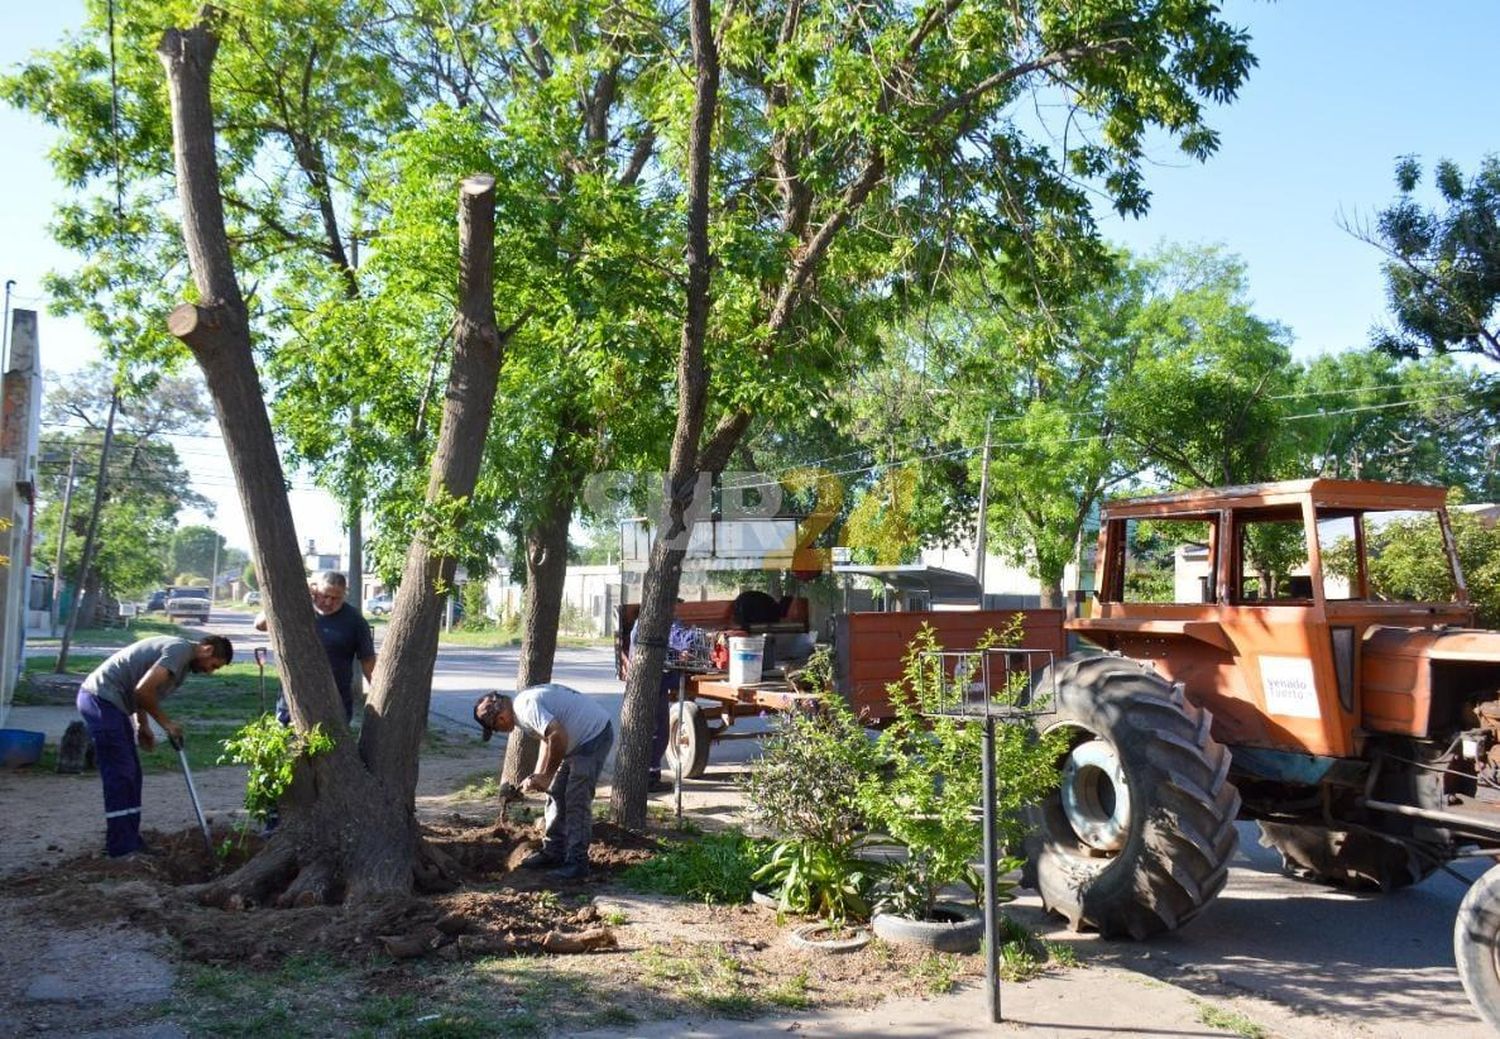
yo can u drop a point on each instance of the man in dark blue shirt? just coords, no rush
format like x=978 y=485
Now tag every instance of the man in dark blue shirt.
x=346 y=638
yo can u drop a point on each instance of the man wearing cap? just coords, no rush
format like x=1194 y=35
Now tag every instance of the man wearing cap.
x=575 y=734
x=118 y=700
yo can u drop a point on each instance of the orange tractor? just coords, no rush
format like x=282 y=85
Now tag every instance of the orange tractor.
x=1261 y=665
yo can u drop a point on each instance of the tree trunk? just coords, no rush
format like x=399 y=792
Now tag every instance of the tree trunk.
x=349 y=820
x=664 y=575
x=546 y=570
x=1051 y=590
x=396 y=716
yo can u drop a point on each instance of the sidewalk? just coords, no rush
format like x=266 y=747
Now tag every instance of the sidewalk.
x=1073 y=1004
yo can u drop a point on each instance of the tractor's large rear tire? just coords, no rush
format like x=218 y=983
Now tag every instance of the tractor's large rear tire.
x=1476 y=946
x=1138 y=837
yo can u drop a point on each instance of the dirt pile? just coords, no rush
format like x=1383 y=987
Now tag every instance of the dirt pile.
x=501 y=909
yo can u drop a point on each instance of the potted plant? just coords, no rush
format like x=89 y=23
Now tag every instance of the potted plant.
x=925 y=795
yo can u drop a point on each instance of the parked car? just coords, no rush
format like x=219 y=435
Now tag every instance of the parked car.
x=189 y=604
x=379 y=605
x=157 y=600
x=252 y=598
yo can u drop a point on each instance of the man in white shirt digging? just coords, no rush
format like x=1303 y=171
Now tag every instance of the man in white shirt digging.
x=575 y=735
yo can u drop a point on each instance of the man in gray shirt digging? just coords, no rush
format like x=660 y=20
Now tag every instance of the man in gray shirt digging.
x=118 y=701
x=576 y=735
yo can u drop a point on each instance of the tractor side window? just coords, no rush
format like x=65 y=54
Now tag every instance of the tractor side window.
x=1272 y=561
x=1338 y=549
x=1169 y=561
x=1407 y=558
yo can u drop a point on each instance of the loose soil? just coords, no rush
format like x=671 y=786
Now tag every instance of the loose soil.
x=510 y=953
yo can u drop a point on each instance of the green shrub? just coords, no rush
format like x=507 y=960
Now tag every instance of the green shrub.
x=270 y=750
x=715 y=868
x=929 y=785
x=805 y=789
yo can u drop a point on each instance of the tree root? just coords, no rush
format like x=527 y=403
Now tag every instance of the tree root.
x=252 y=884
x=433 y=870
x=313 y=886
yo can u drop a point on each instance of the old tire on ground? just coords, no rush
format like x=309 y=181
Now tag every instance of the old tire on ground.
x=691 y=741
x=1476 y=946
x=960 y=930
x=1137 y=839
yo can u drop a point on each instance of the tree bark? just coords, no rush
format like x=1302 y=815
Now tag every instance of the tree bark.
x=546 y=570
x=349 y=821
x=664 y=575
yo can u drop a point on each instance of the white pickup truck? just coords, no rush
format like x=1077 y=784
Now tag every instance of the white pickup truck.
x=189 y=604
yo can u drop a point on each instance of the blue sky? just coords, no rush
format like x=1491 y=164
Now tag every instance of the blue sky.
x=1343 y=87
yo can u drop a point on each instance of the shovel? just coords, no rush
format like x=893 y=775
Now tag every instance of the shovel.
x=260 y=662
x=187 y=773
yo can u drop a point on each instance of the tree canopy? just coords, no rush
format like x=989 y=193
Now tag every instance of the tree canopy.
x=1442 y=264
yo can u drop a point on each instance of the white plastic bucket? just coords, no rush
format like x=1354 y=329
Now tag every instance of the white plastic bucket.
x=745 y=656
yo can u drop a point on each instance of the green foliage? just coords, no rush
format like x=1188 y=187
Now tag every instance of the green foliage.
x=827 y=879
x=270 y=751
x=929 y=784
x=476 y=603
x=806 y=785
x=1369 y=416
x=1212 y=380
x=1443 y=264
x=194 y=551
x=805 y=789
x=716 y=868
x=146 y=485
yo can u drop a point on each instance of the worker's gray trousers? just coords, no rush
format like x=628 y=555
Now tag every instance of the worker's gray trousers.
x=570 y=799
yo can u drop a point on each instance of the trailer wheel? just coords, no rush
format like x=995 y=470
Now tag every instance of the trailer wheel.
x=690 y=741
x=1476 y=946
x=1138 y=836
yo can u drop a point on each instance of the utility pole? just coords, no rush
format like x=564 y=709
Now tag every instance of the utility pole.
x=58 y=584
x=984 y=508
x=89 y=538
x=213 y=579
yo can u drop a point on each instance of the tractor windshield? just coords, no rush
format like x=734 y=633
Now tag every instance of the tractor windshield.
x=1406 y=557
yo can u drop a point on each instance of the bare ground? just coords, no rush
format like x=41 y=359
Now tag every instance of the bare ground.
x=91 y=946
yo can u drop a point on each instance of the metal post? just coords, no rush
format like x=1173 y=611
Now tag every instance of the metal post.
x=982 y=525
x=682 y=680
x=991 y=882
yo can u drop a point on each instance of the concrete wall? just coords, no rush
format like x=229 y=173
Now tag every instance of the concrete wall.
x=20 y=429
x=592 y=592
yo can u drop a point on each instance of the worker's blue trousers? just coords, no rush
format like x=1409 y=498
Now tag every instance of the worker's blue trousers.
x=119 y=771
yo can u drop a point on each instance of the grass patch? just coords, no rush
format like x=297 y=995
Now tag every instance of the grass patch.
x=717 y=982
x=296 y=999
x=478 y=786
x=936 y=972
x=716 y=869
x=611 y=1017
x=1023 y=956
x=1230 y=1021
x=140 y=628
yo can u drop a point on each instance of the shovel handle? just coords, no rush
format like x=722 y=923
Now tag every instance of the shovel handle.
x=260 y=656
x=175 y=741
